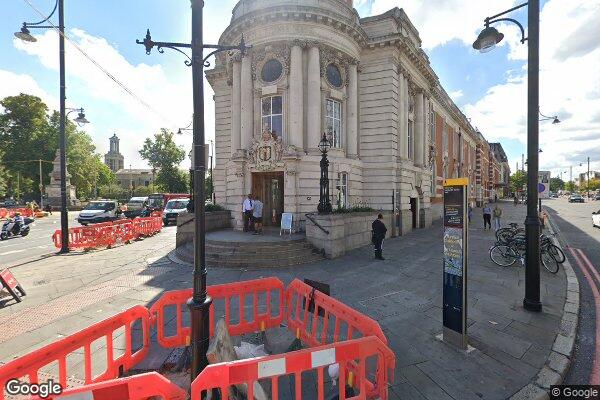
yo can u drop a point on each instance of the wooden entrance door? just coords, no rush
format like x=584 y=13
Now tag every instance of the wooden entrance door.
x=268 y=186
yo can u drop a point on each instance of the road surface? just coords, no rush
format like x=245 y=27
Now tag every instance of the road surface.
x=37 y=244
x=574 y=223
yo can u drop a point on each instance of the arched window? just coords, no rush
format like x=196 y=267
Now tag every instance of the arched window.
x=271 y=70
x=334 y=76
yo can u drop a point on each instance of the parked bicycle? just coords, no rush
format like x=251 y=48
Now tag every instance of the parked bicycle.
x=513 y=248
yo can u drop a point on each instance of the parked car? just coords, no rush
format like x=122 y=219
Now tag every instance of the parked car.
x=173 y=208
x=596 y=218
x=8 y=203
x=597 y=196
x=135 y=206
x=576 y=198
x=553 y=195
x=99 y=211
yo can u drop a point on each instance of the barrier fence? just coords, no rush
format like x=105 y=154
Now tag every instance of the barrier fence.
x=108 y=234
x=365 y=363
x=10 y=212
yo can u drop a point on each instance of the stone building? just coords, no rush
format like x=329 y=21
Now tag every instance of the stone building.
x=502 y=181
x=114 y=159
x=133 y=178
x=317 y=68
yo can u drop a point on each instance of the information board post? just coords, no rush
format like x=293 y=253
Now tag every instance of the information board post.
x=455 y=262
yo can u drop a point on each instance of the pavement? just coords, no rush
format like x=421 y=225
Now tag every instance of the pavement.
x=573 y=222
x=516 y=353
x=38 y=244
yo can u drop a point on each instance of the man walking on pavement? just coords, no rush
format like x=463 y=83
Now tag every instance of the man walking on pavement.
x=497 y=216
x=487 y=216
x=247 y=208
x=379 y=231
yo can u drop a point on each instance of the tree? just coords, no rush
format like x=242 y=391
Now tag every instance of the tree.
x=113 y=191
x=594 y=185
x=164 y=155
x=570 y=186
x=517 y=181
x=3 y=179
x=556 y=184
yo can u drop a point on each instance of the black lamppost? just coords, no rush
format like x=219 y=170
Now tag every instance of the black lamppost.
x=486 y=41
x=324 y=206
x=200 y=302
x=25 y=35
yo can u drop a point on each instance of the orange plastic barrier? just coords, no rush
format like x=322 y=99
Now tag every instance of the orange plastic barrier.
x=360 y=351
x=108 y=234
x=137 y=387
x=89 y=340
x=3 y=212
x=365 y=363
x=261 y=291
x=25 y=212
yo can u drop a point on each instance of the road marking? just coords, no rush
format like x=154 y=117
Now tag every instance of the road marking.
x=11 y=252
x=583 y=261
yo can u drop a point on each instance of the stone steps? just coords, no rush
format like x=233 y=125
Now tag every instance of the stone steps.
x=255 y=255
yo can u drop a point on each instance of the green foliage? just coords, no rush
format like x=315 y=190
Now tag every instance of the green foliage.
x=556 y=184
x=594 y=185
x=570 y=186
x=28 y=134
x=164 y=155
x=213 y=207
x=113 y=191
x=517 y=180
x=353 y=209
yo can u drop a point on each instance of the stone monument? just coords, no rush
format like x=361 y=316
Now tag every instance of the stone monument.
x=53 y=189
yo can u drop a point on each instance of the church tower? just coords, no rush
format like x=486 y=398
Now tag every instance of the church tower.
x=114 y=159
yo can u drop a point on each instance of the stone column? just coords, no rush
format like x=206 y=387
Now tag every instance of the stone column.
x=403 y=116
x=314 y=99
x=352 y=112
x=296 y=98
x=236 y=107
x=247 y=106
x=419 y=106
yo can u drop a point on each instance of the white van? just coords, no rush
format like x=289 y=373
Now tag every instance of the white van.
x=173 y=208
x=135 y=206
x=99 y=211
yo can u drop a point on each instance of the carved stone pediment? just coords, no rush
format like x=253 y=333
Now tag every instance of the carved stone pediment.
x=266 y=151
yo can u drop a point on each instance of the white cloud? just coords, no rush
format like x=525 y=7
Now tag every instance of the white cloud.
x=456 y=94
x=440 y=21
x=12 y=84
x=569 y=87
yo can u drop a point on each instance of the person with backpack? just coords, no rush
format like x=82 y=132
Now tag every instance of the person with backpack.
x=497 y=216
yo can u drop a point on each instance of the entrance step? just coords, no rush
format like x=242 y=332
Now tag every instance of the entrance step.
x=259 y=254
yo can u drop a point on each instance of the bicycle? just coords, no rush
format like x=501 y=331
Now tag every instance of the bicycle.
x=505 y=255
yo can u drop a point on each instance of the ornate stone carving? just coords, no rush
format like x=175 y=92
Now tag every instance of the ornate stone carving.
x=336 y=57
x=280 y=52
x=266 y=151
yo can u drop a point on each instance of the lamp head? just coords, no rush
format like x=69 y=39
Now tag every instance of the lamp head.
x=81 y=120
x=179 y=131
x=488 y=38
x=25 y=35
x=556 y=121
x=324 y=144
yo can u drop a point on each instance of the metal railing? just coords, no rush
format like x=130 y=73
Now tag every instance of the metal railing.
x=316 y=223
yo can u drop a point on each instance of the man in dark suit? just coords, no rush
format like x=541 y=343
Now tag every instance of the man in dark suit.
x=379 y=231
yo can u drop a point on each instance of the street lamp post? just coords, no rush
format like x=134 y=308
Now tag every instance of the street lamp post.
x=200 y=302
x=486 y=41
x=25 y=35
x=324 y=206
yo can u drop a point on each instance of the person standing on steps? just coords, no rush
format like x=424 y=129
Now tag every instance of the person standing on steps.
x=487 y=216
x=247 y=207
x=257 y=216
x=379 y=231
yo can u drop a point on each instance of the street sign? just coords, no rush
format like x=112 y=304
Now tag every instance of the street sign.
x=543 y=184
x=455 y=262
x=10 y=283
x=286 y=222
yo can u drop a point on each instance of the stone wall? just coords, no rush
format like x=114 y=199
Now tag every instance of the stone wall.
x=185 y=225
x=346 y=231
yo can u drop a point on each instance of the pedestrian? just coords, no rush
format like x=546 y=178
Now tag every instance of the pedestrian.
x=497 y=216
x=487 y=216
x=379 y=231
x=257 y=216
x=470 y=213
x=516 y=200
x=247 y=212
x=49 y=208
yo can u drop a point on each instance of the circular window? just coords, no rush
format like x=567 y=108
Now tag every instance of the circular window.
x=271 y=71
x=334 y=76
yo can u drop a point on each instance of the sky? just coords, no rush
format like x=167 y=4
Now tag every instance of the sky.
x=490 y=88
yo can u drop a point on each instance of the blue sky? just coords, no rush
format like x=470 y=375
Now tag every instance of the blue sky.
x=489 y=88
